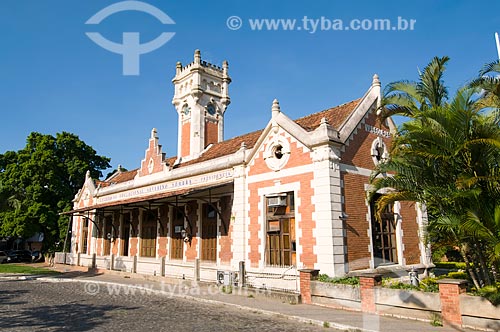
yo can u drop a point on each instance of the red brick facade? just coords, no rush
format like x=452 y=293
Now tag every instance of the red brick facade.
x=411 y=234
x=211 y=132
x=225 y=230
x=192 y=213
x=163 y=232
x=358 y=152
x=186 y=141
x=357 y=225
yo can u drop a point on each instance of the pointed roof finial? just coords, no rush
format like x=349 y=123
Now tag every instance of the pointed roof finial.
x=153 y=133
x=376 y=80
x=276 y=106
x=197 y=56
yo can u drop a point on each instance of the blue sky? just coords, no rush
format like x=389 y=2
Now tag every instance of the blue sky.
x=53 y=78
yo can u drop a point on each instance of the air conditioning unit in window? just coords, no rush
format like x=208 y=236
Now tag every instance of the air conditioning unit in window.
x=273 y=201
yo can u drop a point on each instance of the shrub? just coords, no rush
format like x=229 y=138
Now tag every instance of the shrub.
x=491 y=293
x=391 y=283
x=426 y=285
x=353 y=281
x=457 y=275
x=429 y=285
x=450 y=265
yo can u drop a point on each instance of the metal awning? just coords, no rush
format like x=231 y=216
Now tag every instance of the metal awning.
x=146 y=199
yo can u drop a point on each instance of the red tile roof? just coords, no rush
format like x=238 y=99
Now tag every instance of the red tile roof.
x=227 y=147
x=125 y=176
x=335 y=116
x=118 y=178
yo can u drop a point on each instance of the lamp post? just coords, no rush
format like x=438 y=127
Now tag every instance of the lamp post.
x=498 y=44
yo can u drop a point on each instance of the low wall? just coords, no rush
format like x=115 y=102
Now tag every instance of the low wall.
x=103 y=262
x=150 y=266
x=479 y=312
x=124 y=264
x=209 y=273
x=86 y=260
x=278 y=279
x=179 y=270
x=394 y=302
x=406 y=303
x=65 y=258
x=335 y=295
x=455 y=307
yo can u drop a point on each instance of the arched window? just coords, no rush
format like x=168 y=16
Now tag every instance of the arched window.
x=379 y=151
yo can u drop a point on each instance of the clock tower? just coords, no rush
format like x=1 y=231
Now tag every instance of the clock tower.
x=200 y=99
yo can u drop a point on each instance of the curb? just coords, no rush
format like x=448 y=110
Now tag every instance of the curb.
x=300 y=319
x=22 y=277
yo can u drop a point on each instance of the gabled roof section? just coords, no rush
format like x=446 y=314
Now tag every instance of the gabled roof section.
x=154 y=159
x=88 y=184
x=120 y=177
x=335 y=116
x=335 y=123
x=227 y=147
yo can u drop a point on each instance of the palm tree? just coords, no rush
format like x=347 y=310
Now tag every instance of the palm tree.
x=409 y=98
x=446 y=156
x=489 y=82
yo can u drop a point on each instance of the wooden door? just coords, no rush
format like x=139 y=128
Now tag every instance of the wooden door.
x=209 y=234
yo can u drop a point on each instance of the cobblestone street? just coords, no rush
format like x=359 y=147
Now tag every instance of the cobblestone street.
x=44 y=306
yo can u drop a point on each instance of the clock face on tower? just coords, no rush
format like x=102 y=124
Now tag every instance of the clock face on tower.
x=185 y=109
x=211 y=109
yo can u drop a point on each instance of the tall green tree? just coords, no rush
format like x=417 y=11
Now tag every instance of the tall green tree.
x=41 y=180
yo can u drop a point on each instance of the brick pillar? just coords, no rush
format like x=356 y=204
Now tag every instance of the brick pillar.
x=449 y=293
x=306 y=275
x=367 y=283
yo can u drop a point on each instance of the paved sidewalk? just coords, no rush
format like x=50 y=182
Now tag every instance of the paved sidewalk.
x=334 y=318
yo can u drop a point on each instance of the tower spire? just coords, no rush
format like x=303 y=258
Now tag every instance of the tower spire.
x=200 y=99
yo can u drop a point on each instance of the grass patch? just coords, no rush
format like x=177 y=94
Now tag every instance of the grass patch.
x=227 y=289
x=436 y=319
x=25 y=269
